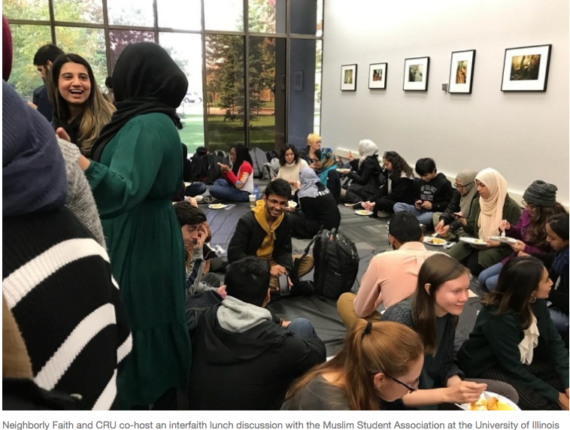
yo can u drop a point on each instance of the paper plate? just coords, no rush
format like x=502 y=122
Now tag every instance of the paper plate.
x=292 y=204
x=434 y=241
x=216 y=206
x=343 y=171
x=507 y=240
x=503 y=404
x=363 y=212
x=472 y=241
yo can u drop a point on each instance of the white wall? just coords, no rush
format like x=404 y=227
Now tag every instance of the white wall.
x=523 y=135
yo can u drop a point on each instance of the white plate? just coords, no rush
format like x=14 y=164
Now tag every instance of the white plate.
x=217 y=206
x=343 y=171
x=487 y=395
x=292 y=204
x=473 y=241
x=363 y=212
x=428 y=239
x=507 y=240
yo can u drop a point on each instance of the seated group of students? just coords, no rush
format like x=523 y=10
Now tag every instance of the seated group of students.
x=53 y=240
x=514 y=350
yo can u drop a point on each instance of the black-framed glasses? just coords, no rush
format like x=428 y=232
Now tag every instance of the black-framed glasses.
x=411 y=389
x=456 y=185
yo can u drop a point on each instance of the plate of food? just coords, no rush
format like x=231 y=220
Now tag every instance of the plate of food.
x=473 y=241
x=490 y=402
x=292 y=204
x=343 y=171
x=363 y=212
x=216 y=206
x=507 y=240
x=435 y=241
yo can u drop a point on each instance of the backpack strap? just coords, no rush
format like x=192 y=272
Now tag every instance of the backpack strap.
x=297 y=263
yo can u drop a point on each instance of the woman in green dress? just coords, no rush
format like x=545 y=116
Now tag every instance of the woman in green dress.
x=136 y=168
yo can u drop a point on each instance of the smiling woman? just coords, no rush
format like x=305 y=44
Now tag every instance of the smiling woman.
x=79 y=107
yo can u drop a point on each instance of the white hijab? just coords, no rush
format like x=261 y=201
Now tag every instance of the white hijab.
x=366 y=148
x=491 y=214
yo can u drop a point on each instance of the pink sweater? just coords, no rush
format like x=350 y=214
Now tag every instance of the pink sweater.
x=390 y=278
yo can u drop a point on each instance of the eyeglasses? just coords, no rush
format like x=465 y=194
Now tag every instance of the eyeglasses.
x=456 y=185
x=525 y=203
x=278 y=203
x=411 y=389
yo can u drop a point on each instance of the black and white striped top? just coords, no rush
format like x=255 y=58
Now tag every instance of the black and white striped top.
x=58 y=283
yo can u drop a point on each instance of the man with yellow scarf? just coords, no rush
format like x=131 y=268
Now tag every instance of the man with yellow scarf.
x=265 y=232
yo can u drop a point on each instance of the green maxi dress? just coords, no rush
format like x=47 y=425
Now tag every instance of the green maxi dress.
x=140 y=170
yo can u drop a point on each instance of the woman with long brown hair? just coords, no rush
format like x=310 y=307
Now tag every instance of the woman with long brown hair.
x=433 y=312
x=514 y=339
x=379 y=362
x=79 y=107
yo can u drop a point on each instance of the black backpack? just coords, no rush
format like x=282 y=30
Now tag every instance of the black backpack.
x=198 y=164
x=271 y=154
x=212 y=169
x=336 y=263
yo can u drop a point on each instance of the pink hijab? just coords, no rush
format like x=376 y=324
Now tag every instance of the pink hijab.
x=6 y=49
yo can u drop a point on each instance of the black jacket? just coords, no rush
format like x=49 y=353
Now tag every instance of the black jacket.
x=249 y=235
x=438 y=191
x=316 y=213
x=453 y=207
x=246 y=371
x=402 y=191
x=367 y=178
x=43 y=103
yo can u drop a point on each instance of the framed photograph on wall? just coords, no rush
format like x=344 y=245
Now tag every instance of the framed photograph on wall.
x=461 y=72
x=348 y=77
x=416 y=74
x=377 y=76
x=526 y=68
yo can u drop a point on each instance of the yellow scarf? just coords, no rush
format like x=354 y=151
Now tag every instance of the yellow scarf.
x=265 y=251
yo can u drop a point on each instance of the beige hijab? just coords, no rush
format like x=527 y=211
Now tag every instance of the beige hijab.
x=491 y=214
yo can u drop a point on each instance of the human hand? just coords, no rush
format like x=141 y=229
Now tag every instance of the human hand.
x=563 y=401
x=505 y=225
x=567 y=395
x=523 y=254
x=222 y=291
x=62 y=134
x=459 y=216
x=224 y=168
x=368 y=206
x=519 y=246
x=33 y=106
x=83 y=162
x=285 y=323
x=426 y=205
x=350 y=156
x=418 y=204
x=277 y=270
x=192 y=201
x=464 y=392
x=202 y=234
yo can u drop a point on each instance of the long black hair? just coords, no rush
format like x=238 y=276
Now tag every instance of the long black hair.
x=242 y=154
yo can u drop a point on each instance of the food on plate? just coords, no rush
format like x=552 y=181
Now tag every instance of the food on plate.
x=492 y=404
x=479 y=241
x=435 y=241
x=217 y=206
x=363 y=212
x=292 y=204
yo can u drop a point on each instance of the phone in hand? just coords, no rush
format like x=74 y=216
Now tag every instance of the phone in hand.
x=284 y=289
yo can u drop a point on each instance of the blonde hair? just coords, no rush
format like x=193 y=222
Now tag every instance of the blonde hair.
x=312 y=138
x=386 y=347
x=97 y=111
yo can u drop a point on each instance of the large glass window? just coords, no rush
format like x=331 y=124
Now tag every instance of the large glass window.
x=267 y=16
x=119 y=39
x=26 y=9
x=26 y=39
x=186 y=50
x=223 y=15
x=170 y=14
x=78 y=11
x=225 y=92
x=131 y=12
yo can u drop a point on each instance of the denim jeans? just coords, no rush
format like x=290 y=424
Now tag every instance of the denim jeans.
x=489 y=277
x=195 y=189
x=424 y=216
x=302 y=328
x=223 y=190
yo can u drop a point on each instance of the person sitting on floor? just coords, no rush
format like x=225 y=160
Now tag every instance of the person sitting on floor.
x=243 y=357
x=378 y=364
x=265 y=232
x=366 y=180
x=318 y=208
x=237 y=182
x=433 y=193
x=291 y=164
x=391 y=276
x=196 y=232
x=446 y=223
x=488 y=213
x=530 y=232
x=323 y=162
x=399 y=186
x=514 y=339
x=441 y=294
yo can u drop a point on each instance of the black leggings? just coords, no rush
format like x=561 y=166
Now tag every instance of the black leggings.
x=333 y=184
x=385 y=205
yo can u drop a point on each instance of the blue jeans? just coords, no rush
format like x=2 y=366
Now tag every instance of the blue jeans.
x=424 y=216
x=195 y=189
x=560 y=320
x=489 y=277
x=302 y=328
x=223 y=190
